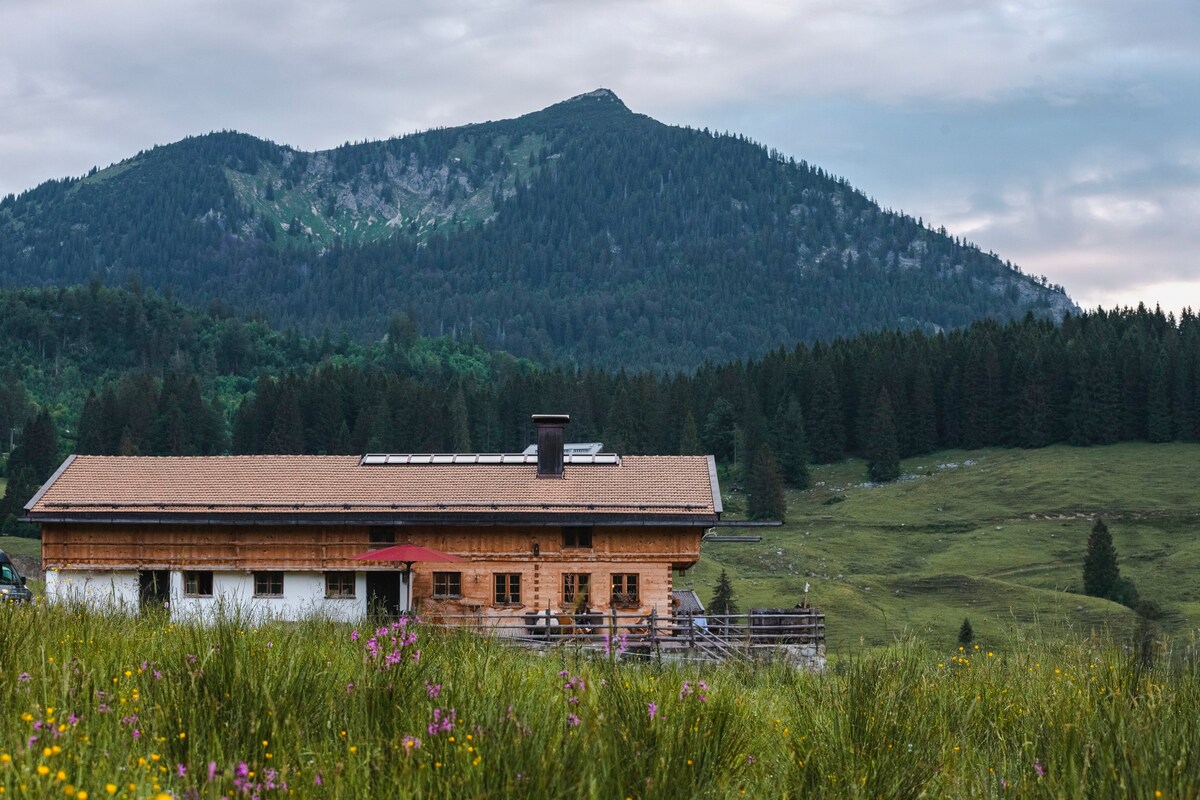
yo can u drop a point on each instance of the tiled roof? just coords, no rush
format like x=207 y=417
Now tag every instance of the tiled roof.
x=650 y=485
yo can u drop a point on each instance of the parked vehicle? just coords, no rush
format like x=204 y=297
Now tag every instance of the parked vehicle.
x=12 y=585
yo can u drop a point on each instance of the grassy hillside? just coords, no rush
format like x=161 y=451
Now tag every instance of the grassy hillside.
x=994 y=535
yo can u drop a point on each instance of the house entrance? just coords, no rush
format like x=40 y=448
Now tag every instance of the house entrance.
x=154 y=588
x=385 y=593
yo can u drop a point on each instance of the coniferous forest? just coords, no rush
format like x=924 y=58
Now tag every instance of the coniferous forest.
x=172 y=381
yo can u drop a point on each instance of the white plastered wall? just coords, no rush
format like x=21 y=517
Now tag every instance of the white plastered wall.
x=303 y=597
x=110 y=589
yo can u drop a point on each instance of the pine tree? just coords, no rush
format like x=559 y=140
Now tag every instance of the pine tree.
x=689 y=439
x=792 y=445
x=722 y=602
x=881 y=448
x=764 y=488
x=1100 y=570
x=966 y=634
x=30 y=464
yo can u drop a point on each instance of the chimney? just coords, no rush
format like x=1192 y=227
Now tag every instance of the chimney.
x=550 y=443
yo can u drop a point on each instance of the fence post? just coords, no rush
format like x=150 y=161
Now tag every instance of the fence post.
x=691 y=632
x=654 y=632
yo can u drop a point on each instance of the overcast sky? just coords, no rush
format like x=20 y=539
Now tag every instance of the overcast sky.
x=1062 y=134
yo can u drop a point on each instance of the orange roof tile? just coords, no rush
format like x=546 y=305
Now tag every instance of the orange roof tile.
x=650 y=485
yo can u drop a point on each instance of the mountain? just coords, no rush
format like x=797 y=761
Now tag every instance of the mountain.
x=583 y=233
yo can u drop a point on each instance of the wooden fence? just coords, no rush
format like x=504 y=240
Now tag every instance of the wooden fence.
x=707 y=637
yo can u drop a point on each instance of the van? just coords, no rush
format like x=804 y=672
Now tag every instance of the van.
x=12 y=585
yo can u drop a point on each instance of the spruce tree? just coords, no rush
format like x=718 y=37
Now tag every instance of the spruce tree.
x=881 y=448
x=29 y=465
x=723 y=600
x=966 y=634
x=765 y=499
x=1100 y=570
x=792 y=445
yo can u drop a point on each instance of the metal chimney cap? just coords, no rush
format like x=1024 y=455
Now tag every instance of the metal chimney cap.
x=551 y=419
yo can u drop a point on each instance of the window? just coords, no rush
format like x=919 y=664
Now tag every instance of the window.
x=579 y=536
x=625 y=590
x=575 y=589
x=381 y=534
x=8 y=575
x=508 y=588
x=448 y=584
x=268 y=584
x=197 y=584
x=339 y=584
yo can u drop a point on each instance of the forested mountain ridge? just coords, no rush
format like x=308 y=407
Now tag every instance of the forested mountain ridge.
x=583 y=233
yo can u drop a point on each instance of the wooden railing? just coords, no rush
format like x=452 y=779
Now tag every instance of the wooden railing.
x=711 y=636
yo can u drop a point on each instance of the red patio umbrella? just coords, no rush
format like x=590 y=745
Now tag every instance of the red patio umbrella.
x=407 y=554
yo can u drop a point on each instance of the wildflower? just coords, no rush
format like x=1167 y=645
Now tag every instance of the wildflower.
x=111 y=788
x=652 y=710
x=433 y=689
x=24 y=677
x=410 y=743
x=573 y=720
x=181 y=770
x=317 y=780
x=212 y=771
x=1038 y=768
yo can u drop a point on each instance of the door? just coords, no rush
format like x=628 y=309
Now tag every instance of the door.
x=154 y=588
x=385 y=593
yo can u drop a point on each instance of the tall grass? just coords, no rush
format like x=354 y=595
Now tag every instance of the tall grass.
x=93 y=704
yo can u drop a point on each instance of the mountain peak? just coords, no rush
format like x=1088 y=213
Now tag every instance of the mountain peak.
x=600 y=95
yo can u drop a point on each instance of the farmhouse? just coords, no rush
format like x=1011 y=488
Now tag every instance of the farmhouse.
x=279 y=535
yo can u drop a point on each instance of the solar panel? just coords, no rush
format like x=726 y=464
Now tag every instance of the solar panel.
x=441 y=459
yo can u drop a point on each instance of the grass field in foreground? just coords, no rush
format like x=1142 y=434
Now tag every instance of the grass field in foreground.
x=98 y=705
x=994 y=535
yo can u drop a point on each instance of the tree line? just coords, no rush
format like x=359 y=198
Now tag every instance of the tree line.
x=1096 y=378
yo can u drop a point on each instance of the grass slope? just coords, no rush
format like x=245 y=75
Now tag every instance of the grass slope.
x=994 y=535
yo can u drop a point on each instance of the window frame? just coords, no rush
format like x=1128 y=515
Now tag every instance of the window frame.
x=340 y=578
x=198 y=578
x=624 y=598
x=269 y=576
x=510 y=595
x=381 y=535
x=451 y=582
x=577 y=537
x=575 y=584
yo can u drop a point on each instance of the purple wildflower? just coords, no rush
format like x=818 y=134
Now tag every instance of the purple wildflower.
x=24 y=677
x=212 y=771
x=243 y=769
x=573 y=720
x=1038 y=768
x=652 y=710
x=410 y=743
x=354 y=636
x=181 y=770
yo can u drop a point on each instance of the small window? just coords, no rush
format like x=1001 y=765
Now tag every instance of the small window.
x=625 y=590
x=508 y=588
x=575 y=589
x=579 y=536
x=339 y=584
x=198 y=584
x=382 y=535
x=268 y=584
x=447 y=584
x=8 y=576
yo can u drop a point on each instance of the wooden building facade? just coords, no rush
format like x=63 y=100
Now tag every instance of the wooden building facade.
x=278 y=535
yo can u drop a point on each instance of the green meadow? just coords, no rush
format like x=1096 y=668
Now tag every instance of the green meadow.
x=96 y=705
x=996 y=536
